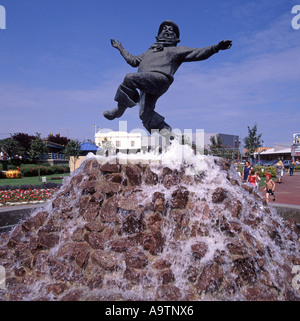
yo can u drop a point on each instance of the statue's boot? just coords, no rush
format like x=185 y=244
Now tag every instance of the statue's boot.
x=115 y=113
x=156 y=124
x=126 y=98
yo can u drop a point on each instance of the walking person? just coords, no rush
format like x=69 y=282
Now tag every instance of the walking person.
x=252 y=178
x=292 y=167
x=246 y=171
x=279 y=170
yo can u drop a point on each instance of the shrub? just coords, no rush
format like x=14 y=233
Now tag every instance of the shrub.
x=46 y=164
x=269 y=169
x=60 y=169
x=47 y=170
x=26 y=166
x=30 y=171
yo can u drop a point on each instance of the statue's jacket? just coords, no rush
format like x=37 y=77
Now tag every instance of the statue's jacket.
x=156 y=69
x=168 y=60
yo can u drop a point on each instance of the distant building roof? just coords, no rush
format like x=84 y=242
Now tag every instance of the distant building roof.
x=117 y=134
x=88 y=147
x=272 y=151
x=260 y=150
x=52 y=144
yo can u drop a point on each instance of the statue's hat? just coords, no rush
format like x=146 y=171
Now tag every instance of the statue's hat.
x=169 y=23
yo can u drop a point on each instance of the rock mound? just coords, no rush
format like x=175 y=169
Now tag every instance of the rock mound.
x=152 y=232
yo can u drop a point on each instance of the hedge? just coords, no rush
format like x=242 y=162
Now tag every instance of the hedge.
x=263 y=170
x=45 y=170
x=23 y=167
x=269 y=169
x=272 y=170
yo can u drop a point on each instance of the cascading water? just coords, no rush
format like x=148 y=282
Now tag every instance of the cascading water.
x=173 y=226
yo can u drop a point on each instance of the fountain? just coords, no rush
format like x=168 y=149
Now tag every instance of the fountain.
x=168 y=227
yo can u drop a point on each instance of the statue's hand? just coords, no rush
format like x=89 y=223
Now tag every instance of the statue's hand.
x=224 y=44
x=116 y=44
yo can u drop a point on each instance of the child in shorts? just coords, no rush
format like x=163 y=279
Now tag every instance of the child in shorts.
x=269 y=188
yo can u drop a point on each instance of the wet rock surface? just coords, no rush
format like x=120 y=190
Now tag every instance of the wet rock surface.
x=151 y=232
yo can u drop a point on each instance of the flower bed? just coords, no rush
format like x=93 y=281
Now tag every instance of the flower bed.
x=29 y=196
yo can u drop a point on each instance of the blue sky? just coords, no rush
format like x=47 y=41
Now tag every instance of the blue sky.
x=58 y=71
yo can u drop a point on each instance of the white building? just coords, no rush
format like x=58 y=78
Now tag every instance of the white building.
x=134 y=142
x=280 y=150
x=119 y=140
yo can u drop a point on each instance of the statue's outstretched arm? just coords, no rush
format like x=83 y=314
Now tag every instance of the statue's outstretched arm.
x=197 y=54
x=132 y=60
x=224 y=44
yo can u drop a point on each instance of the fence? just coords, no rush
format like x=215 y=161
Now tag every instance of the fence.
x=55 y=156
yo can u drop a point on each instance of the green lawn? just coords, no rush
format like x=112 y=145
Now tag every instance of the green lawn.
x=31 y=180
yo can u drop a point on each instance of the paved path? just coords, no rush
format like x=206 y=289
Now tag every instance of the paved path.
x=21 y=207
x=288 y=192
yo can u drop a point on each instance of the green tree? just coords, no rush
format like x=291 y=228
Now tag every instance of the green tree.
x=252 y=141
x=73 y=149
x=24 y=140
x=216 y=147
x=13 y=150
x=107 y=144
x=58 y=139
x=37 y=149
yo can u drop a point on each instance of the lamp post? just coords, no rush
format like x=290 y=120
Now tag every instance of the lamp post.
x=237 y=144
x=263 y=145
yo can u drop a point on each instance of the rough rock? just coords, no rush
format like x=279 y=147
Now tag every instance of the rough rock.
x=153 y=242
x=219 y=195
x=152 y=232
x=136 y=258
x=199 y=250
x=210 y=278
x=105 y=259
